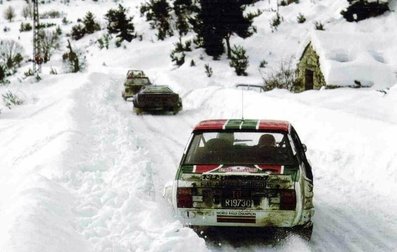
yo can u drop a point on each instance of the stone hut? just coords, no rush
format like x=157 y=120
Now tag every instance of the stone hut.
x=333 y=60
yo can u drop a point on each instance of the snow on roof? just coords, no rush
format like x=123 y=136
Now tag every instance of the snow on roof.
x=351 y=59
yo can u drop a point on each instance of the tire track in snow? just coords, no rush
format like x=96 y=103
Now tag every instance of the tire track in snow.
x=111 y=173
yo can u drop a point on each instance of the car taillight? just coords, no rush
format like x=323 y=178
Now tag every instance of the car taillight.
x=287 y=200
x=184 y=197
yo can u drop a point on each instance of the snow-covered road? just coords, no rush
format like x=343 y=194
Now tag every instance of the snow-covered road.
x=90 y=172
x=122 y=161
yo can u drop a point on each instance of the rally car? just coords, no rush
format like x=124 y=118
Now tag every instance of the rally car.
x=248 y=173
x=157 y=98
x=135 y=80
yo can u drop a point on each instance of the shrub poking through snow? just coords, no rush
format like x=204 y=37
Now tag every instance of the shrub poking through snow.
x=363 y=9
x=27 y=11
x=51 y=14
x=208 y=70
x=319 y=26
x=275 y=22
x=10 y=99
x=300 y=18
x=103 y=42
x=239 y=60
x=90 y=25
x=178 y=54
x=263 y=64
x=3 y=74
x=9 y=13
x=78 y=32
x=25 y=27
x=10 y=53
x=49 y=41
x=74 y=60
x=120 y=24
x=282 y=77
x=192 y=63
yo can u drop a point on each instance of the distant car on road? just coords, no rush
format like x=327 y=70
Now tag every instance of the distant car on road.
x=135 y=80
x=158 y=98
x=244 y=173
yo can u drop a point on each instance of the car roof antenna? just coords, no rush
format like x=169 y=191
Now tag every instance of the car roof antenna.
x=242 y=104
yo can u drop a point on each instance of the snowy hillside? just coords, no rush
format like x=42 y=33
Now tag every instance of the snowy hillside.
x=79 y=171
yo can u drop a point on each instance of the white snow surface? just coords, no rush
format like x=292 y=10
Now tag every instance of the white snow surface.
x=347 y=59
x=79 y=171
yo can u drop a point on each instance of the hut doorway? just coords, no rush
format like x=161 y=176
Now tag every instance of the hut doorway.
x=309 y=78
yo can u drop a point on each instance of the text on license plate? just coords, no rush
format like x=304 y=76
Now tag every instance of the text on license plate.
x=238 y=203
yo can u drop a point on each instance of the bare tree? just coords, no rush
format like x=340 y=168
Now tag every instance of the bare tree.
x=9 y=13
x=27 y=11
x=10 y=53
x=49 y=41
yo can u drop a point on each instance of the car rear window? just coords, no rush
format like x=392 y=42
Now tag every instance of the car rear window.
x=239 y=148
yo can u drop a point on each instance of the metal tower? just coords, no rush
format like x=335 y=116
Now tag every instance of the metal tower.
x=37 y=59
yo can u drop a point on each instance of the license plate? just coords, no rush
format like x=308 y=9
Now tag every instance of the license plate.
x=242 y=203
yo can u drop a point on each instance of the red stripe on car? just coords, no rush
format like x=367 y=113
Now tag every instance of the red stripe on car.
x=204 y=168
x=273 y=168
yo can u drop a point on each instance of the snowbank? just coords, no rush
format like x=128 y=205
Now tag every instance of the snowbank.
x=354 y=59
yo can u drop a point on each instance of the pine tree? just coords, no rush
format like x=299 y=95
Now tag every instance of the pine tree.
x=183 y=10
x=239 y=60
x=89 y=23
x=120 y=24
x=218 y=21
x=363 y=9
x=158 y=12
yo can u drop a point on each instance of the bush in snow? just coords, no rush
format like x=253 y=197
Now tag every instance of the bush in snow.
x=363 y=9
x=319 y=26
x=9 y=13
x=263 y=64
x=51 y=14
x=119 y=24
x=192 y=63
x=25 y=27
x=275 y=22
x=78 y=32
x=104 y=41
x=27 y=11
x=90 y=25
x=208 y=70
x=49 y=41
x=10 y=99
x=10 y=53
x=300 y=18
x=74 y=60
x=282 y=77
x=3 y=74
x=239 y=60
x=178 y=54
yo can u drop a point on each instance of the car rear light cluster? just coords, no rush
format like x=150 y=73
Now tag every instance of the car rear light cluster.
x=184 y=197
x=287 y=200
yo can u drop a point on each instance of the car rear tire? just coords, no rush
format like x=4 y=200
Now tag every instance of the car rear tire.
x=304 y=231
x=138 y=111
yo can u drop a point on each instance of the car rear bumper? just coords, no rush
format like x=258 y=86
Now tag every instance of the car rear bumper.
x=243 y=218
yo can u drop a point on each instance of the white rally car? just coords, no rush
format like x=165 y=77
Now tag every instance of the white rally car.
x=248 y=173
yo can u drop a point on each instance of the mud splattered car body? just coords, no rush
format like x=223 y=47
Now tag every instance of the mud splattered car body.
x=157 y=98
x=135 y=80
x=250 y=173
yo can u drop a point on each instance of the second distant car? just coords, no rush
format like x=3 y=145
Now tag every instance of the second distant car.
x=157 y=98
x=136 y=79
